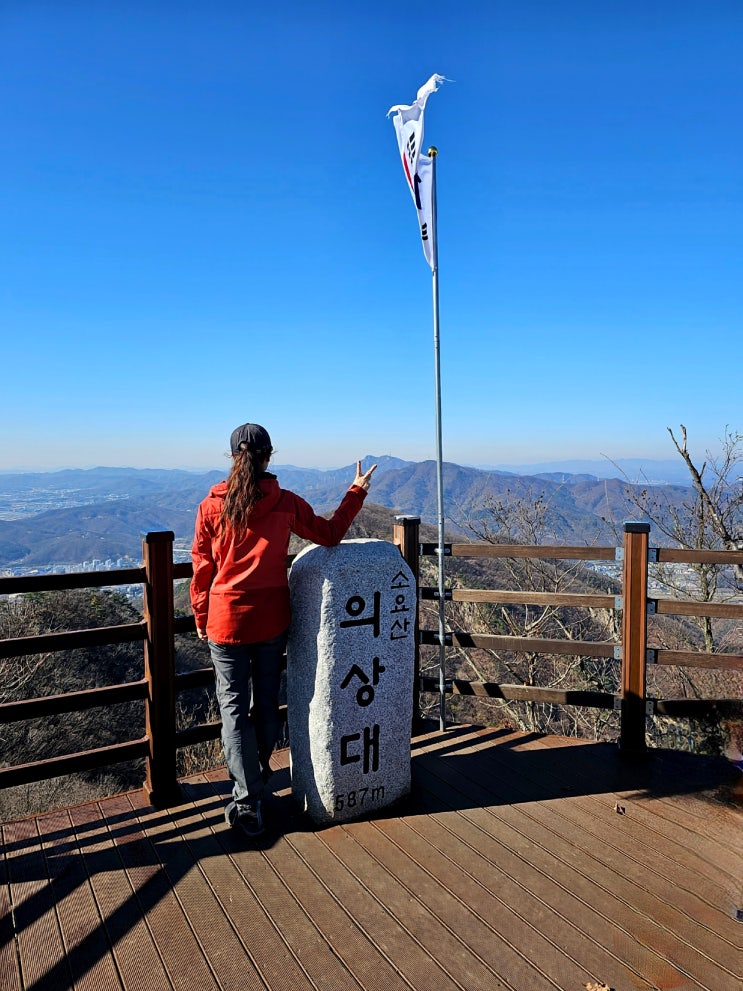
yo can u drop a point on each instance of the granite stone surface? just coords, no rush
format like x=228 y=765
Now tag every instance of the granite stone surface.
x=350 y=678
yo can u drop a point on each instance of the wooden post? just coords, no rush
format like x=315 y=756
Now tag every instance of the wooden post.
x=634 y=638
x=406 y=536
x=161 y=787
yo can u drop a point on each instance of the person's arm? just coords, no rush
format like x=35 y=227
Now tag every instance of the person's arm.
x=310 y=526
x=203 y=574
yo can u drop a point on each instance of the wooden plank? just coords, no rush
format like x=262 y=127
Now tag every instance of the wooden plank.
x=87 y=952
x=705 y=894
x=334 y=950
x=182 y=844
x=291 y=901
x=38 y=939
x=480 y=923
x=199 y=678
x=701 y=819
x=656 y=926
x=705 y=820
x=501 y=596
x=722 y=824
x=78 y=579
x=697 y=659
x=541 y=771
x=694 y=788
x=564 y=953
x=394 y=944
x=672 y=555
x=53 y=767
x=526 y=550
x=522 y=693
x=50 y=642
x=453 y=963
x=596 y=834
x=695 y=708
x=680 y=607
x=222 y=862
x=88 y=698
x=589 y=766
x=199 y=733
x=301 y=901
x=166 y=922
x=10 y=969
x=137 y=959
x=355 y=925
x=608 y=950
x=538 y=645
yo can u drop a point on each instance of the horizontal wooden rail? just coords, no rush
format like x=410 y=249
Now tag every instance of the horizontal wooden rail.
x=558 y=553
x=694 y=708
x=504 y=597
x=186 y=681
x=88 y=760
x=681 y=607
x=201 y=732
x=696 y=659
x=672 y=555
x=50 y=642
x=78 y=579
x=88 y=698
x=536 y=645
x=522 y=693
x=198 y=733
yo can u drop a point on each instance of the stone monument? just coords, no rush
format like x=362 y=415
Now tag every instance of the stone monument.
x=350 y=665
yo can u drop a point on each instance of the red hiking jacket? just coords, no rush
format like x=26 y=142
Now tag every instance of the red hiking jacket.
x=240 y=590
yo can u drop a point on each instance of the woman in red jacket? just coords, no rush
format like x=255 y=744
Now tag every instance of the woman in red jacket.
x=240 y=599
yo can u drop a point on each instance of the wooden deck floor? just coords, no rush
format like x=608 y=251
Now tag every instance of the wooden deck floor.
x=518 y=862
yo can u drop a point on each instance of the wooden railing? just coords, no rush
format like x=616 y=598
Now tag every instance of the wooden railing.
x=156 y=689
x=631 y=652
x=160 y=684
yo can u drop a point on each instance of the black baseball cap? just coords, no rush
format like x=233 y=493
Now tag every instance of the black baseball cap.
x=254 y=436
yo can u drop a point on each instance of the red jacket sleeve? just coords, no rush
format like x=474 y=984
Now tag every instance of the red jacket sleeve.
x=330 y=532
x=203 y=570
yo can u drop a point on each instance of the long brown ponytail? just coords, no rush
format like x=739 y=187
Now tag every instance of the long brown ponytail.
x=243 y=490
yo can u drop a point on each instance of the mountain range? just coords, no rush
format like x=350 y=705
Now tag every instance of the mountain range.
x=77 y=515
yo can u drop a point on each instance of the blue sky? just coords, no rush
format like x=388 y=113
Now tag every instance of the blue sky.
x=205 y=221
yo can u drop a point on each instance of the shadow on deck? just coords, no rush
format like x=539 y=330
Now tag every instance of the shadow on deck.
x=518 y=862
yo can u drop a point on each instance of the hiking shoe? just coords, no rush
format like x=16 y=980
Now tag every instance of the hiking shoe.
x=246 y=817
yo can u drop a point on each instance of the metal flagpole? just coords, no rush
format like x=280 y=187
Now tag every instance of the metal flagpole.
x=433 y=153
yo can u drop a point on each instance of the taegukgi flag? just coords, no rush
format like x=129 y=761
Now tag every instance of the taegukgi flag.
x=408 y=121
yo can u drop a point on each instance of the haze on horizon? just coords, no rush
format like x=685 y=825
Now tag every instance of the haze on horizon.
x=650 y=470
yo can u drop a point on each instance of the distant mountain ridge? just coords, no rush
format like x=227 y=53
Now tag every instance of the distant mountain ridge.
x=100 y=513
x=639 y=471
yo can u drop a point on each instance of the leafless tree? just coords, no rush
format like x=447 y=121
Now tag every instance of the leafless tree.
x=17 y=619
x=512 y=519
x=711 y=518
x=720 y=496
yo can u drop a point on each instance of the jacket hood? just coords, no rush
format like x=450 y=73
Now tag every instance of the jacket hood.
x=269 y=487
